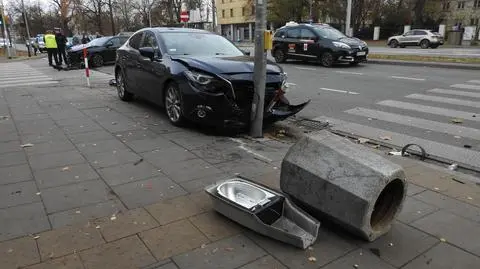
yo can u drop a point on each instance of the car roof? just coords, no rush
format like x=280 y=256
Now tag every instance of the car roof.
x=176 y=29
x=309 y=25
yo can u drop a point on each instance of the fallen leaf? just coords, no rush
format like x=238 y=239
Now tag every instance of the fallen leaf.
x=457 y=121
x=312 y=259
x=66 y=168
x=386 y=137
x=28 y=145
x=363 y=140
x=112 y=218
x=443 y=240
x=436 y=188
x=229 y=249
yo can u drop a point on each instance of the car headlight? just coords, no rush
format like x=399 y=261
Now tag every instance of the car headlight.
x=205 y=82
x=341 y=45
x=196 y=77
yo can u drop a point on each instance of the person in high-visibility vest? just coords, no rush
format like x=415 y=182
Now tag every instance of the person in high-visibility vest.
x=51 y=46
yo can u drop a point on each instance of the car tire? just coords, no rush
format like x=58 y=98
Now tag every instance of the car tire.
x=393 y=43
x=434 y=46
x=97 y=60
x=173 y=104
x=326 y=59
x=122 y=89
x=279 y=56
x=424 y=44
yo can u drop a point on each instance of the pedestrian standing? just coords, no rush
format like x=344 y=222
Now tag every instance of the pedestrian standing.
x=61 y=44
x=51 y=46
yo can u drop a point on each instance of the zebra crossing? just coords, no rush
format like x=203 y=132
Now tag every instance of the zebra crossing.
x=20 y=74
x=452 y=113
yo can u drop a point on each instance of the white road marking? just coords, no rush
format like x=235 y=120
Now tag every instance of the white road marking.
x=445 y=100
x=473 y=81
x=431 y=110
x=459 y=93
x=440 y=127
x=408 y=78
x=306 y=68
x=466 y=86
x=347 y=72
x=340 y=91
x=250 y=151
x=28 y=84
x=24 y=80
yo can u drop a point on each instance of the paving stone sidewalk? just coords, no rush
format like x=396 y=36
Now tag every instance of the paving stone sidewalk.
x=109 y=184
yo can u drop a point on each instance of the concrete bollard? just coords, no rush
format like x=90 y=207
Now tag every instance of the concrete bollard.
x=376 y=33
x=332 y=177
x=406 y=28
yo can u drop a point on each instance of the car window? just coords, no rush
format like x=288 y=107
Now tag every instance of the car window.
x=205 y=44
x=135 y=40
x=149 y=41
x=409 y=33
x=307 y=34
x=123 y=39
x=329 y=33
x=116 y=42
x=417 y=32
x=280 y=33
x=293 y=33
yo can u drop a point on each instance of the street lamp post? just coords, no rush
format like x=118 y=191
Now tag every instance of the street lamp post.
x=349 y=17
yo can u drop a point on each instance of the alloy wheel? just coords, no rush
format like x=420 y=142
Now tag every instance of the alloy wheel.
x=120 y=86
x=327 y=59
x=173 y=104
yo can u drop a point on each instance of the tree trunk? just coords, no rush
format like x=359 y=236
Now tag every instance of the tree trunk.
x=418 y=11
x=474 y=41
x=112 y=21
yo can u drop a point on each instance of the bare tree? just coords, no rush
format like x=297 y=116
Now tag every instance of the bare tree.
x=64 y=8
x=125 y=8
x=111 y=5
x=94 y=11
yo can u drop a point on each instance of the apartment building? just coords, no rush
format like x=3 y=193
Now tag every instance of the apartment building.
x=236 y=19
x=466 y=12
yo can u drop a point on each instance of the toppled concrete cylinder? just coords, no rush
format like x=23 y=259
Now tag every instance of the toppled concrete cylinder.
x=329 y=176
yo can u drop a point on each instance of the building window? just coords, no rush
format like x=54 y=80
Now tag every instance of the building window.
x=474 y=22
x=461 y=5
x=223 y=13
x=446 y=6
x=476 y=4
x=231 y=12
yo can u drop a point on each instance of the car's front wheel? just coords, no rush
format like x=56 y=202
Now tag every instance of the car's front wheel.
x=424 y=44
x=434 y=46
x=122 y=91
x=393 y=43
x=97 y=60
x=327 y=59
x=279 y=56
x=173 y=104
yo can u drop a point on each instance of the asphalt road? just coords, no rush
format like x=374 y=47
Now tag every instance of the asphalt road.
x=396 y=104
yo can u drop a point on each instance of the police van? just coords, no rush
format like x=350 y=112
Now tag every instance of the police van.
x=317 y=42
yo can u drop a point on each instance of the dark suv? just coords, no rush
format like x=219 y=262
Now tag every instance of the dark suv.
x=317 y=42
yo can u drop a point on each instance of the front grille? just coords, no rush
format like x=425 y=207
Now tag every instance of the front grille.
x=244 y=92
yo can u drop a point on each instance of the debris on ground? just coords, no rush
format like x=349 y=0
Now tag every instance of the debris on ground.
x=113 y=217
x=469 y=198
x=78 y=212
x=97 y=227
x=66 y=168
x=362 y=140
x=395 y=153
x=38 y=193
x=443 y=240
x=10 y=250
x=28 y=145
x=457 y=137
x=4 y=117
x=390 y=244
x=114 y=123
x=138 y=162
x=355 y=266
x=203 y=246
x=453 y=167
x=459 y=181
x=386 y=137
x=229 y=249
x=456 y=121
x=376 y=146
x=36 y=237
x=312 y=259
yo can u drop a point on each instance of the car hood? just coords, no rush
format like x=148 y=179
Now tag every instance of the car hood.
x=224 y=64
x=352 y=41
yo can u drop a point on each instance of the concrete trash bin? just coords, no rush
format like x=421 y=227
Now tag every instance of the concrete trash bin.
x=329 y=176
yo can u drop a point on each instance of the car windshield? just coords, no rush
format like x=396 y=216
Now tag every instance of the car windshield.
x=329 y=33
x=198 y=44
x=98 y=42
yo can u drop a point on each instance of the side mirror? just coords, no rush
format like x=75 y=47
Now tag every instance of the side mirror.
x=148 y=52
x=246 y=52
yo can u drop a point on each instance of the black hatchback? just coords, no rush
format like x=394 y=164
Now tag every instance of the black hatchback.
x=317 y=42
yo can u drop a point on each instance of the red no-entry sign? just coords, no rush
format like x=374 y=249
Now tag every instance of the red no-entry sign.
x=184 y=17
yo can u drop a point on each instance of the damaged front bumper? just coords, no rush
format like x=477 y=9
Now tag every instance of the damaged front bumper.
x=234 y=110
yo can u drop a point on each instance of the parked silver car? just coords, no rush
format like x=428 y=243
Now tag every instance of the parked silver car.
x=419 y=37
